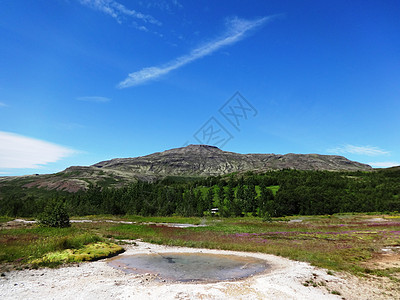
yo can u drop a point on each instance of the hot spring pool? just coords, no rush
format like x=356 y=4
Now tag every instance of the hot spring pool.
x=191 y=266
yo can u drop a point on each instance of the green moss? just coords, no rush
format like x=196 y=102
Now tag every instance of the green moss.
x=89 y=252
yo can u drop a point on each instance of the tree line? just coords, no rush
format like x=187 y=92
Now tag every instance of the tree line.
x=271 y=194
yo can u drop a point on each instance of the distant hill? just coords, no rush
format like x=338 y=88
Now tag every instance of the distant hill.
x=392 y=170
x=189 y=161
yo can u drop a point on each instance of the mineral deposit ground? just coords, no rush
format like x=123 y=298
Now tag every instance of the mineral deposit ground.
x=284 y=279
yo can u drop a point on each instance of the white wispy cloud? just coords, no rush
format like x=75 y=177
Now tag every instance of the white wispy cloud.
x=360 y=150
x=70 y=126
x=384 y=164
x=176 y=3
x=165 y=5
x=118 y=11
x=2 y=104
x=236 y=31
x=17 y=151
x=93 y=99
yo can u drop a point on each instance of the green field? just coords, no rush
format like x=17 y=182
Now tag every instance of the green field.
x=340 y=242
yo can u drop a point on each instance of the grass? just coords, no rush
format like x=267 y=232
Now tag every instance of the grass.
x=4 y=219
x=338 y=242
x=19 y=247
x=334 y=242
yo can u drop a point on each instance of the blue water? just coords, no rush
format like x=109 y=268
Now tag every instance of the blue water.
x=191 y=266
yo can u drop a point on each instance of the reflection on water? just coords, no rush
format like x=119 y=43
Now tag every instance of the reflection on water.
x=191 y=266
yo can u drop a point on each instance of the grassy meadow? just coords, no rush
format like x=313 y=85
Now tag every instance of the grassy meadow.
x=341 y=242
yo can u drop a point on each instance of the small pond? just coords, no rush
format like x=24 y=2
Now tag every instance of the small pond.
x=187 y=267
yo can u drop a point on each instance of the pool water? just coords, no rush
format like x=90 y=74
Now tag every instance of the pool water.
x=191 y=266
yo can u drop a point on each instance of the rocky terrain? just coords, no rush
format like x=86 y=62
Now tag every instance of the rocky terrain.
x=203 y=160
x=192 y=160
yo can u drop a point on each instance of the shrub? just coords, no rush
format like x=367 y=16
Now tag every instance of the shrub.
x=54 y=215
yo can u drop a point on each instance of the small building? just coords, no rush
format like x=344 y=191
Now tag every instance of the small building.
x=214 y=211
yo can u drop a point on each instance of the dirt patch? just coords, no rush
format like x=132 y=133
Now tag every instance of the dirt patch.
x=388 y=257
x=384 y=261
x=17 y=223
x=68 y=185
x=374 y=220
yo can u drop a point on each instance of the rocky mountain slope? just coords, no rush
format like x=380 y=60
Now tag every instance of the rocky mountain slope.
x=203 y=160
x=193 y=160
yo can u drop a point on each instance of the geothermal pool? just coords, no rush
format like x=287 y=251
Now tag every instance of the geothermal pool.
x=191 y=267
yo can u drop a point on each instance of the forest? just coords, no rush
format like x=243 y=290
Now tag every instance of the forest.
x=270 y=194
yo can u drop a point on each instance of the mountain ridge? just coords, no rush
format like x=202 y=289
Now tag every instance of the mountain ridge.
x=204 y=160
x=189 y=161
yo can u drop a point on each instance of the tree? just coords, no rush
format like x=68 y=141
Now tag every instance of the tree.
x=221 y=192
x=54 y=215
x=240 y=198
x=210 y=198
x=229 y=201
x=250 y=195
x=266 y=202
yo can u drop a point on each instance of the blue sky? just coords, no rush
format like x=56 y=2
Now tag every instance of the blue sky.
x=83 y=81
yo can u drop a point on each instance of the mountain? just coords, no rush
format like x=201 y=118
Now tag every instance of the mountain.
x=192 y=160
x=204 y=160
